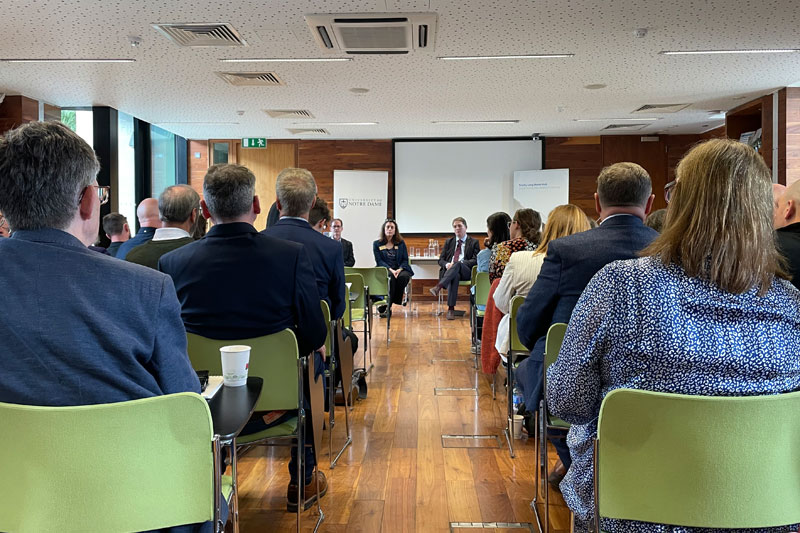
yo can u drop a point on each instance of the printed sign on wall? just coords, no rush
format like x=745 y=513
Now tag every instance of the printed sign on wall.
x=360 y=200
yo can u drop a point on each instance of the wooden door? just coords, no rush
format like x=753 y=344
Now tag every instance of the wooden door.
x=266 y=164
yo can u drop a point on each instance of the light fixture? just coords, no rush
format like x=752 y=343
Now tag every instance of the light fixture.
x=198 y=123
x=645 y=119
x=741 y=51
x=95 y=60
x=474 y=121
x=529 y=56
x=287 y=60
x=334 y=123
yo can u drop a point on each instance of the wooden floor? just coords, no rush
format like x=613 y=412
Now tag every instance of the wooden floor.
x=398 y=475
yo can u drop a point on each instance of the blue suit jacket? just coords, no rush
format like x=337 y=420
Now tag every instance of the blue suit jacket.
x=382 y=256
x=569 y=265
x=326 y=257
x=144 y=235
x=81 y=328
x=236 y=283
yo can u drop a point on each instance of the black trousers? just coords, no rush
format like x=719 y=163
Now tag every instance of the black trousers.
x=450 y=279
x=397 y=285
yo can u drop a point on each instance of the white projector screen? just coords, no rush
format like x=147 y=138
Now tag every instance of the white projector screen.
x=436 y=181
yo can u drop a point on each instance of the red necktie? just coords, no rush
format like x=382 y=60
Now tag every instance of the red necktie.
x=457 y=255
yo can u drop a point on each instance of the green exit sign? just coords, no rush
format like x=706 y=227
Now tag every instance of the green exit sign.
x=255 y=142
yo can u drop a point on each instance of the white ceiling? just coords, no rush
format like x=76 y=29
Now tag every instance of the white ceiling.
x=168 y=84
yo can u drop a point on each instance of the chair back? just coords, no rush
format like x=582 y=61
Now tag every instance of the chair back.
x=699 y=461
x=326 y=314
x=482 y=287
x=273 y=358
x=357 y=287
x=130 y=466
x=555 y=336
x=376 y=278
x=473 y=275
x=514 y=343
x=345 y=360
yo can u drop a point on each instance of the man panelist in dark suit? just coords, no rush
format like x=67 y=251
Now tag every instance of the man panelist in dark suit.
x=623 y=200
x=296 y=191
x=237 y=283
x=347 y=247
x=459 y=255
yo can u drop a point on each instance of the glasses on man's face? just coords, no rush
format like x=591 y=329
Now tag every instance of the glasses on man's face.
x=103 y=193
x=668 y=190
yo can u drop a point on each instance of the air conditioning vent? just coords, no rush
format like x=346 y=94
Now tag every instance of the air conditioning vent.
x=369 y=33
x=263 y=79
x=289 y=113
x=308 y=131
x=199 y=34
x=661 y=108
x=626 y=127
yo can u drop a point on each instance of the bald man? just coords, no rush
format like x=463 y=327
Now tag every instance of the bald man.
x=149 y=220
x=786 y=220
x=777 y=191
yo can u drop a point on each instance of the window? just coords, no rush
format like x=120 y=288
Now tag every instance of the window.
x=126 y=171
x=162 y=153
x=220 y=152
x=81 y=121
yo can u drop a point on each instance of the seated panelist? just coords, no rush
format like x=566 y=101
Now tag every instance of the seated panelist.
x=459 y=255
x=390 y=251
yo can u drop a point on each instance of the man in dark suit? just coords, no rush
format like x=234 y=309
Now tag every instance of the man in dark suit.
x=149 y=221
x=623 y=200
x=117 y=230
x=787 y=228
x=297 y=192
x=459 y=255
x=347 y=247
x=237 y=283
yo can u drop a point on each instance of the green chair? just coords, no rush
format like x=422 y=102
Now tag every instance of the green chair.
x=330 y=373
x=274 y=359
x=516 y=353
x=465 y=283
x=555 y=336
x=698 y=461
x=359 y=310
x=129 y=466
x=481 y=283
x=376 y=281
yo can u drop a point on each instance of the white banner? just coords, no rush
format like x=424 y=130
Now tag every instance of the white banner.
x=541 y=190
x=360 y=200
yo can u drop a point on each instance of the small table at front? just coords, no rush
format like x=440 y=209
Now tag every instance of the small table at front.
x=231 y=408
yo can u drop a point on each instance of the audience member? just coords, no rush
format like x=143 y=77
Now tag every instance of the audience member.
x=523 y=267
x=623 y=200
x=200 y=226
x=656 y=220
x=5 y=230
x=459 y=255
x=698 y=313
x=347 y=247
x=149 y=220
x=390 y=251
x=237 y=283
x=178 y=207
x=273 y=215
x=525 y=234
x=777 y=191
x=497 y=232
x=320 y=216
x=117 y=230
x=297 y=193
x=786 y=220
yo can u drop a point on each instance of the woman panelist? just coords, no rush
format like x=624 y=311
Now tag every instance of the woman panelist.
x=390 y=251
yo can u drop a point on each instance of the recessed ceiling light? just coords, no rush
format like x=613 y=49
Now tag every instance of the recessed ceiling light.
x=474 y=121
x=529 y=56
x=335 y=123
x=594 y=86
x=31 y=60
x=743 y=51
x=646 y=119
x=287 y=60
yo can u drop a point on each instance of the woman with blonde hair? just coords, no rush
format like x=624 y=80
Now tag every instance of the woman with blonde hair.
x=706 y=310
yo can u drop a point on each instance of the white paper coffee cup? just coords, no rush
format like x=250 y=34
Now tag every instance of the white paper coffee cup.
x=235 y=364
x=518 y=419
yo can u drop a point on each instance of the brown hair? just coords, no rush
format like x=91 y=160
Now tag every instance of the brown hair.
x=530 y=224
x=623 y=184
x=396 y=238
x=459 y=219
x=319 y=211
x=719 y=221
x=563 y=220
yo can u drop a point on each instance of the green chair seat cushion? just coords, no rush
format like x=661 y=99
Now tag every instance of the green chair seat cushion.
x=466 y=283
x=557 y=422
x=285 y=429
x=358 y=314
x=227 y=487
x=480 y=312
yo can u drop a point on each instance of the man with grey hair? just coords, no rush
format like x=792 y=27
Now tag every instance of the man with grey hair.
x=178 y=208
x=57 y=347
x=237 y=283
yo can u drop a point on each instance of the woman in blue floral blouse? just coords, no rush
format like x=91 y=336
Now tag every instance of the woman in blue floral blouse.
x=706 y=310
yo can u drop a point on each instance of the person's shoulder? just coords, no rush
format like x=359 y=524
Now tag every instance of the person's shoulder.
x=124 y=270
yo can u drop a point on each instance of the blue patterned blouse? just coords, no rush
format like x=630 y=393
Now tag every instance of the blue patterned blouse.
x=642 y=325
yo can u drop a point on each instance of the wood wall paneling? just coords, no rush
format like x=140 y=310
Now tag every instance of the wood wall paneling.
x=266 y=164
x=789 y=135
x=197 y=165
x=583 y=156
x=52 y=113
x=17 y=110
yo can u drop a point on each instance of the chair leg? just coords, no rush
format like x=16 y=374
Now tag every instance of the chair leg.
x=510 y=407
x=319 y=505
x=218 y=525
x=234 y=511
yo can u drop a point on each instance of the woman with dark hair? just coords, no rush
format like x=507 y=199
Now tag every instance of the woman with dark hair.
x=497 y=231
x=390 y=251
x=706 y=310
x=525 y=230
